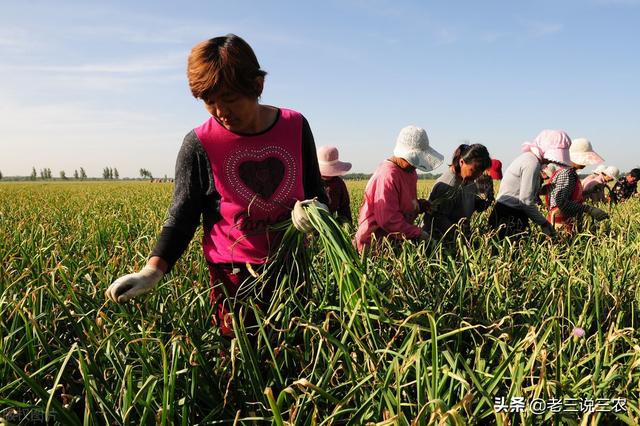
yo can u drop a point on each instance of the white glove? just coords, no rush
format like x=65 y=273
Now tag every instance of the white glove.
x=299 y=216
x=132 y=285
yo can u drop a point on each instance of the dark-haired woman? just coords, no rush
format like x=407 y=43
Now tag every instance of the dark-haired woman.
x=454 y=196
x=240 y=172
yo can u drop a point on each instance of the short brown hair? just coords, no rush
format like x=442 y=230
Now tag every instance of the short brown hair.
x=223 y=64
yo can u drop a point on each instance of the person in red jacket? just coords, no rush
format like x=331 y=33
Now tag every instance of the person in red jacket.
x=331 y=169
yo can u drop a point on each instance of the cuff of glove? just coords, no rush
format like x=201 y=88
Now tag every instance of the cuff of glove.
x=152 y=272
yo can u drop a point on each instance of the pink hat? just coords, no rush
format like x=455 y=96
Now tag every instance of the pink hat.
x=329 y=163
x=552 y=145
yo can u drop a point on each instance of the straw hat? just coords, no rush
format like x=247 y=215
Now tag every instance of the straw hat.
x=612 y=171
x=412 y=145
x=329 y=163
x=582 y=153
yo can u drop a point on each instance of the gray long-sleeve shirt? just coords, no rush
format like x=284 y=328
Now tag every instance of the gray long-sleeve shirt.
x=520 y=185
x=452 y=200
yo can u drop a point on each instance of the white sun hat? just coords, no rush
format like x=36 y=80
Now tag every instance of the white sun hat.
x=582 y=153
x=599 y=169
x=412 y=145
x=612 y=171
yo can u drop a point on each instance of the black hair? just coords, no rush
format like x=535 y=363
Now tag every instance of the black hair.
x=475 y=153
x=635 y=173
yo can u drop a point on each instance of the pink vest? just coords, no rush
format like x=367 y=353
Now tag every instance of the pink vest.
x=259 y=179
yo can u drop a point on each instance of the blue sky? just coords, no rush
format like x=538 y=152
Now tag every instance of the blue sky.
x=97 y=84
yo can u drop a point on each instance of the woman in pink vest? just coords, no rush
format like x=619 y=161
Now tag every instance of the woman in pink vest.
x=240 y=172
x=565 y=200
x=390 y=205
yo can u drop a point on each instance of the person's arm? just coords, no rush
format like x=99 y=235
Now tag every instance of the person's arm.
x=490 y=195
x=562 y=189
x=311 y=178
x=387 y=213
x=529 y=186
x=193 y=190
x=616 y=192
x=344 y=210
x=442 y=203
x=481 y=202
x=192 y=176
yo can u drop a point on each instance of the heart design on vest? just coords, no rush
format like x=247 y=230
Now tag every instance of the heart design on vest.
x=262 y=177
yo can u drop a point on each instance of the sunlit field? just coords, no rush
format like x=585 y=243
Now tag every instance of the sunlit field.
x=478 y=332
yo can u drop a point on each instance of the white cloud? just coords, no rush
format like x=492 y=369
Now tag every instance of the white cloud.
x=137 y=66
x=123 y=68
x=492 y=36
x=538 y=29
x=148 y=32
x=618 y=2
x=445 y=36
x=16 y=40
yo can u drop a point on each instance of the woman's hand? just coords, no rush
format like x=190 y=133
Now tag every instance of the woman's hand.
x=132 y=285
x=299 y=216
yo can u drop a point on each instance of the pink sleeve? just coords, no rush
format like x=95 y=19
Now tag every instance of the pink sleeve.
x=387 y=211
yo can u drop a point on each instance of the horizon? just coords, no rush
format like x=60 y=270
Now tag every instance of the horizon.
x=104 y=85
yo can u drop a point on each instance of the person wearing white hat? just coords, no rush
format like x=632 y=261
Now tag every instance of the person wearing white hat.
x=390 y=205
x=594 y=185
x=565 y=199
x=517 y=198
x=331 y=168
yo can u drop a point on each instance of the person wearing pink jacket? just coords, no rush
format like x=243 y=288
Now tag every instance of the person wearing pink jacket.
x=593 y=186
x=390 y=205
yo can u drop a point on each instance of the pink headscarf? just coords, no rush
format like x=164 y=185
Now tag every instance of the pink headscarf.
x=552 y=145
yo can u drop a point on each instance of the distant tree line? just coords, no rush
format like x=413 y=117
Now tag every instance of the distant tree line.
x=145 y=174
x=110 y=173
x=45 y=174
